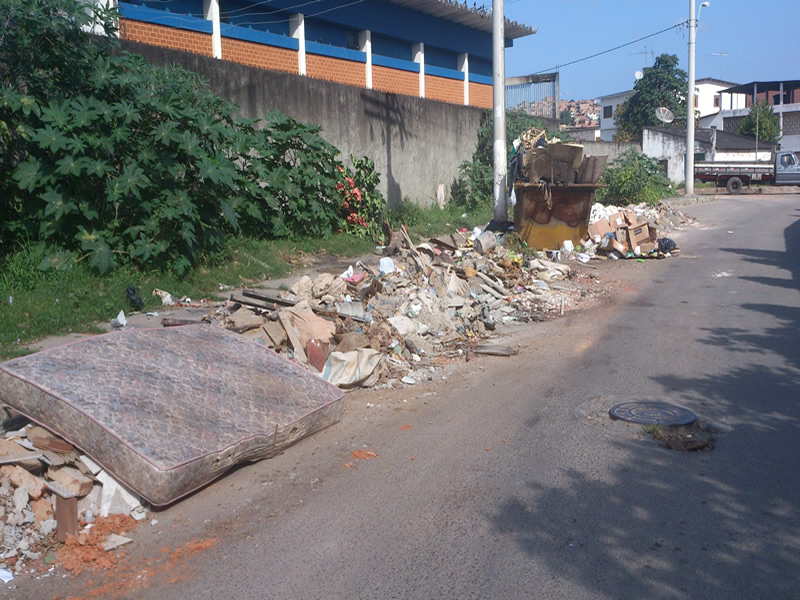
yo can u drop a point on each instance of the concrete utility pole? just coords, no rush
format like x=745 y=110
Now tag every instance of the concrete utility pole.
x=689 y=176
x=499 y=105
x=690 y=99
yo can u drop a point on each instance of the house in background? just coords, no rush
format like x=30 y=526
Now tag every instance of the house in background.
x=608 y=105
x=783 y=96
x=709 y=101
x=435 y=49
x=668 y=146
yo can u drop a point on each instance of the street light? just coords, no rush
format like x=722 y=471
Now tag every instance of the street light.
x=690 y=100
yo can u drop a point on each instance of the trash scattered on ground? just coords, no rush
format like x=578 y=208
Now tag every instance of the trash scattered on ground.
x=388 y=324
x=119 y=321
x=48 y=490
x=633 y=232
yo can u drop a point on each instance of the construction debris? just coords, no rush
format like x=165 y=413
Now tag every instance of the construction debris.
x=634 y=231
x=46 y=496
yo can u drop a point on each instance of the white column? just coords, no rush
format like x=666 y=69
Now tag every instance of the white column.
x=365 y=45
x=780 y=114
x=418 y=50
x=499 y=108
x=689 y=163
x=211 y=13
x=463 y=66
x=297 y=29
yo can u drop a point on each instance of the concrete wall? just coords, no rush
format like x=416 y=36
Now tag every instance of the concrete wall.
x=669 y=150
x=417 y=144
x=610 y=149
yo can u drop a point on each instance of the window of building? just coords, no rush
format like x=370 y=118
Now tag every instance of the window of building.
x=608 y=111
x=716 y=101
x=695 y=100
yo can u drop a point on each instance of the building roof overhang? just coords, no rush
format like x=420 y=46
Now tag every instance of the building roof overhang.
x=460 y=13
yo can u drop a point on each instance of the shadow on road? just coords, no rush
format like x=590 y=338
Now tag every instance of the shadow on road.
x=661 y=524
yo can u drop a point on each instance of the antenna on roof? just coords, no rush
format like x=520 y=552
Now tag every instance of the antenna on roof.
x=664 y=115
x=638 y=75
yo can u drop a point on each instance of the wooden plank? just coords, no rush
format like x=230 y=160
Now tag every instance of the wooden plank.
x=18 y=457
x=495 y=350
x=294 y=336
x=66 y=517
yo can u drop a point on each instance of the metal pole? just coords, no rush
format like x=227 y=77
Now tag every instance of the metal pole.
x=499 y=105
x=690 y=106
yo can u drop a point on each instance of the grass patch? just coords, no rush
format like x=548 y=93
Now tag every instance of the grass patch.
x=426 y=222
x=76 y=298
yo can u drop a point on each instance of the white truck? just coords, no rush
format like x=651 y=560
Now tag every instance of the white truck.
x=783 y=169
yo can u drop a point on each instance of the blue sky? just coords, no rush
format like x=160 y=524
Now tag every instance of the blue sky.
x=761 y=40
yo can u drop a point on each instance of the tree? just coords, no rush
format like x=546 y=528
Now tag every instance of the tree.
x=566 y=117
x=663 y=84
x=768 y=125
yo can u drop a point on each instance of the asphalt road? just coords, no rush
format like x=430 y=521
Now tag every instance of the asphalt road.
x=495 y=483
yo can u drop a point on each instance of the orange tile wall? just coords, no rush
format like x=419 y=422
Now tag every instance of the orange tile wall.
x=395 y=81
x=336 y=69
x=259 y=55
x=444 y=89
x=166 y=37
x=480 y=95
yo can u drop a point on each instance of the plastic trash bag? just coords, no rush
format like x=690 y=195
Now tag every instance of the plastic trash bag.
x=666 y=245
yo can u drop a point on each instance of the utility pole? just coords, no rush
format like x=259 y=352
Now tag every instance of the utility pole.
x=499 y=106
x=690 y=106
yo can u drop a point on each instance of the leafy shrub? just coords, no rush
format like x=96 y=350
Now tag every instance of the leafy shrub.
x=633 y=178
x=473 y=188
x=125 y=162
x=363 y=206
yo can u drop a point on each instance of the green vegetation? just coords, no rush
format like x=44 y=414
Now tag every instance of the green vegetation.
x=114 y=160
x=655 y=431
x=633 y=178
x=663 y=84
x=75 y=296
x=116 y=173
x=768 y=128
x=473 y=188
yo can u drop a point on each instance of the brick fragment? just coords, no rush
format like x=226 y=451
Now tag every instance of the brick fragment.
x=72 y=479
x=19 y=477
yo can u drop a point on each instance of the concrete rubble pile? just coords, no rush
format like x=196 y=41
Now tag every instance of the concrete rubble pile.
x=48 y=490
x=633 y=232
x=395 y=322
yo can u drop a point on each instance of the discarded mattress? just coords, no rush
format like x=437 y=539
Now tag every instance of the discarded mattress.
x=168 y=410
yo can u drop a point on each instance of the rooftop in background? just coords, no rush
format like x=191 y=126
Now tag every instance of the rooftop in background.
x=725 y=140
x=715 y=80
x=459 y=12
x=763 y=86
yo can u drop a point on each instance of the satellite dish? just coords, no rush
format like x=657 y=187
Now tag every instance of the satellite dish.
x=638 y=75
x=664 y=115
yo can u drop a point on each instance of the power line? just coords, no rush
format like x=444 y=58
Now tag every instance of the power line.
x=574 y=62
x=189 y=17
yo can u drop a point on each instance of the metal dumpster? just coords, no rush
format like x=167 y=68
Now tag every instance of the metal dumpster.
x=545 y=216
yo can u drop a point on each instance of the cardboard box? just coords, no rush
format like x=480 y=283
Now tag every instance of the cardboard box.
x=599 y=229
x=631 y=219
x=647 y=247
x=608 y=243
x=638 y=235
x=617 y=220
x=653 y=233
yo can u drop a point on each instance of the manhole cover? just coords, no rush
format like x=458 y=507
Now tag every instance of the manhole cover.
x=652 y=413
